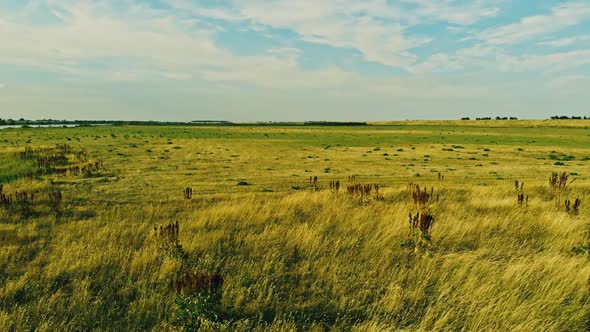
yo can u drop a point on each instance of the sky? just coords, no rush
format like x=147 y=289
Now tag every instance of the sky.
x=293 y=60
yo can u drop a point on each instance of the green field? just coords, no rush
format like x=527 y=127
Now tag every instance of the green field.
x=294 y=255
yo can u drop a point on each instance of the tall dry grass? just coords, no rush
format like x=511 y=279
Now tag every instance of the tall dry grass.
x=89 y=257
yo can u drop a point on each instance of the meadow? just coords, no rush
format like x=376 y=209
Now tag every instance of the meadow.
x=397 y=226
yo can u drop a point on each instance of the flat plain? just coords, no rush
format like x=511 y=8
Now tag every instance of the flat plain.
x=225 y=227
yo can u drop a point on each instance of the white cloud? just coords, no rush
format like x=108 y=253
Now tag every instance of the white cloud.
x=177 y=76
x=274 y=73
x=565 y=41
x=455 y=29
x=568 y=80
x=86 y=33
x=478 y=56
x=225 y=14
x=120 y=76
x=177 y=41
x=438 y=62
x=451 y=12
x=330 y=23
x=549 y=62
x=477 y=51
x=158 y=45
x=153 y=45
x=491 y=58
x=377 y=29
x=561 y=17
x=180 y=51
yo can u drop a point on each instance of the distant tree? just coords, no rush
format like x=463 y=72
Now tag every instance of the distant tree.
x=573 y=117
x=465 y=118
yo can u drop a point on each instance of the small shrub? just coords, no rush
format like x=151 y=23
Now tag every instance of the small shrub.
x=199 y=301
x=188 y=192
x=558 y=183
x=561 y=157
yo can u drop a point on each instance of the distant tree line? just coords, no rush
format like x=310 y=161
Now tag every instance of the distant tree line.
x=555 y=117
x=24 y=122
x=489 y=118
x=5 y=122
x=332 y=123
x=565 y=117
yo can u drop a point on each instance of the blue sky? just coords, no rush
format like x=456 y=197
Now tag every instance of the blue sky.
x=292 y=60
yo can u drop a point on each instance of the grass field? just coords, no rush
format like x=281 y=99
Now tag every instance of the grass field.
x=259 y=247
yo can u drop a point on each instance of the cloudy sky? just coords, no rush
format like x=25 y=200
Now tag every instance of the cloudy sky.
x=270 y=60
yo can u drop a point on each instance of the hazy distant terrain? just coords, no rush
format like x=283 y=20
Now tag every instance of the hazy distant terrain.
x=225 y=227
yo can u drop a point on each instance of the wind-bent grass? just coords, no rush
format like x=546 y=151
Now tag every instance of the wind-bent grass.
x=299 y=258
x=12 y=167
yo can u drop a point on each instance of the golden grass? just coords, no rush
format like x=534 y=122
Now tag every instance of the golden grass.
x=296 y=259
